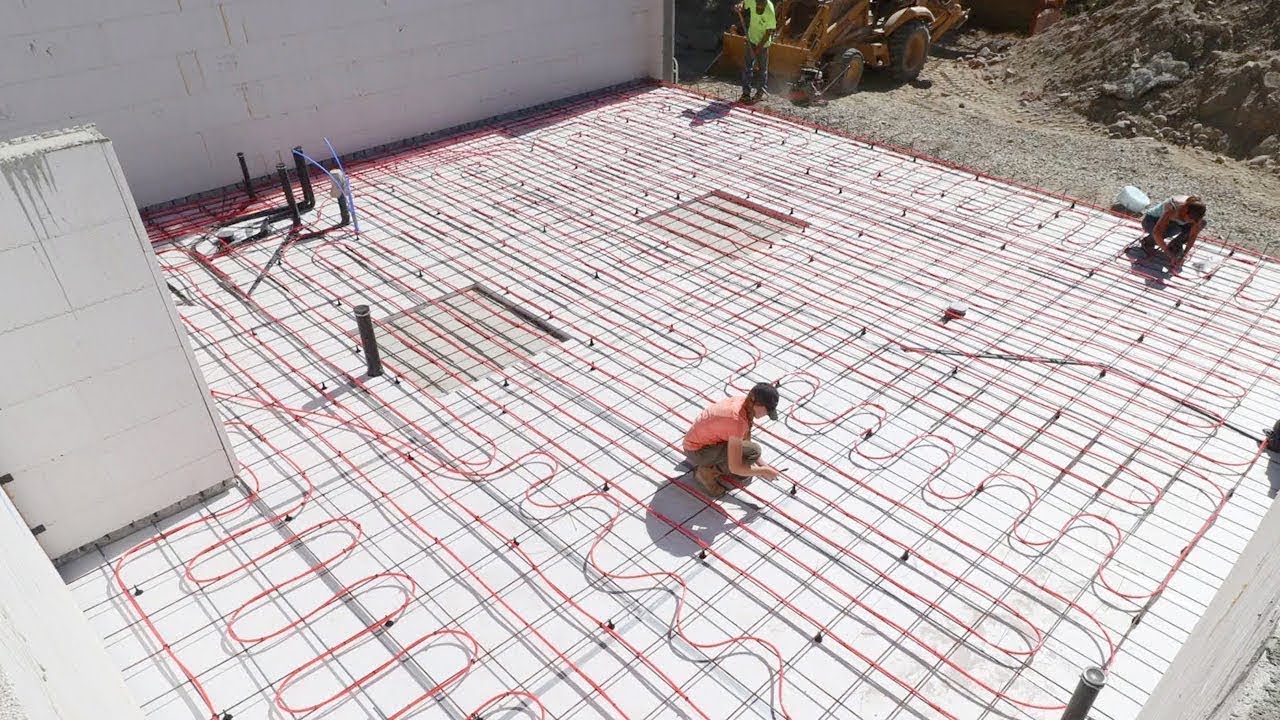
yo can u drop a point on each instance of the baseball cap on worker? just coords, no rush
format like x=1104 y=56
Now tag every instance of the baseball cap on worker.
x=767 y=395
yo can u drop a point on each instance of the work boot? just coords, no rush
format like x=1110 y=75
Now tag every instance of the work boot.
x=758 y=96
x=709 y=480
x=744 y=98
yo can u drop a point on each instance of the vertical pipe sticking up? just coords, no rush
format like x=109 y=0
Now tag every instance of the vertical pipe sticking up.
x=288 y=193
x=244 y=173
x=367 y=341
x=344 y=210
x=1092 y=680
x=304 y=179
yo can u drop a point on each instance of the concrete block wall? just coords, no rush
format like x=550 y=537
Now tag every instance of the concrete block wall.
x=52 y=664
x=1228 y=638
x=104 y=415
x=180 y=86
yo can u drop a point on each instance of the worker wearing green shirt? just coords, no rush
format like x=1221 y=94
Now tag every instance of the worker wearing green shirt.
x=760 y=24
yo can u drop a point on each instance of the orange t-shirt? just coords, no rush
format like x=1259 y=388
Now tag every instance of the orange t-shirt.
x=720 y=421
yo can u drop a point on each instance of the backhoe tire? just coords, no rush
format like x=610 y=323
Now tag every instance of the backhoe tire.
x=846 y=72
x=908 y=50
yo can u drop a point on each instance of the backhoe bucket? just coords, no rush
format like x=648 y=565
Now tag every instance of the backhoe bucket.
x=785 y=61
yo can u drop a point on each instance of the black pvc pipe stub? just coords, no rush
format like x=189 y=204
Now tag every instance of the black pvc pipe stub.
x=283 y=174
x=1092 y=680
x=244 y=173
x=6 y=479
x=38 y=529
x=1273 y=439
x=364 y=323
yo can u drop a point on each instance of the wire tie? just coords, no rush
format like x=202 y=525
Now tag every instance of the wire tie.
x=504 y=382
x=868 y=433
x=702 y=555
x=1057 y=415
x=955 y=370
x=389 y=623
x=288 y=518
x=591 y=342
x=818 y=638
x=606 y=486
x=793 y=489
x=1103 y=373
x=137 y=591
x=906 y=555
x=609 y=624
x=979 y=490
x=1142 y=337
x=1003 y=245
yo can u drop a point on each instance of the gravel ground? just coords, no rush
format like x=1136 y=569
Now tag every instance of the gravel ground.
x=955 y=114
x=982 y=118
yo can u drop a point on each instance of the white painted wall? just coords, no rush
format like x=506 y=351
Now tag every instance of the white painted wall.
x=104 y=416
x=1229 y=636
x=52 y=664
x=181 y=85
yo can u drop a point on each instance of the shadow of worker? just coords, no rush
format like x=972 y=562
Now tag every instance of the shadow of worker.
x=675 y=514
x=715 y=110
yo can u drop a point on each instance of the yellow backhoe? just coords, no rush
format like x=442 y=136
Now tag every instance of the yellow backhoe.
x=829 y=42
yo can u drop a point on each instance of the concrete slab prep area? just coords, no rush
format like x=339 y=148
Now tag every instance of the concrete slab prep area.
x=975 y=509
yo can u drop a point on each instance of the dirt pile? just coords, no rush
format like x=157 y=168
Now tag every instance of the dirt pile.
x=1190 y=72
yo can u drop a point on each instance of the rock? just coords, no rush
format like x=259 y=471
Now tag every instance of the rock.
x=1269 y=146
x=984 y=52
x=961 y=104
x=1159 y=119
x=1008 y=72
x=1160 y=71
x=1271 y=80
x=1219 y=159
x=1259 y=161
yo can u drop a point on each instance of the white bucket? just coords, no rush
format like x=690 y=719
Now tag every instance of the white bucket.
x=1132 y=199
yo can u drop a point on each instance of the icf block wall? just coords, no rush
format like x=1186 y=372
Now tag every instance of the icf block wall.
x=1228 y=638
x=105 y=418
x=52 y=664
x=181 y=86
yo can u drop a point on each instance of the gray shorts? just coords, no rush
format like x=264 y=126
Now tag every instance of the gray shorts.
x=717 y=456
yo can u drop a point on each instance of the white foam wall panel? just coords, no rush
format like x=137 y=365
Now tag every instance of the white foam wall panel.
x=54 y=663
x=104 y=418
x=180 y=87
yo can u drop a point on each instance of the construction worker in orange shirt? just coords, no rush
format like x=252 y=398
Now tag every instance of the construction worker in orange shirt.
x=719 y=442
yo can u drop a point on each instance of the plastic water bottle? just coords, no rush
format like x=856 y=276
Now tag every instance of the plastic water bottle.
x=1133 y=199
